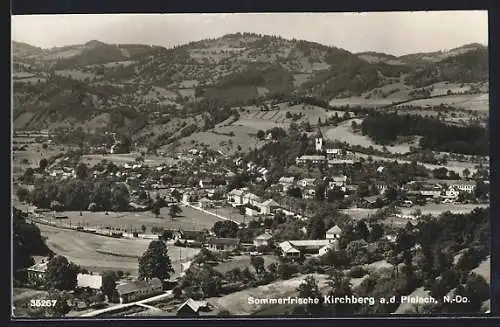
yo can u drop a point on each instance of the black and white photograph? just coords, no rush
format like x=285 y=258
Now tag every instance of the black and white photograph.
x=322 y=165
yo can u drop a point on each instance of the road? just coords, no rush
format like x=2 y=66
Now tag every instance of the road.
x=142 y=303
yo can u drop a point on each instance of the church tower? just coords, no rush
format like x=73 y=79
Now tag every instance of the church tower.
x=319 y=141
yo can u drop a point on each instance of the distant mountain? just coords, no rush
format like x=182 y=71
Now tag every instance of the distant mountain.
x=118 y=84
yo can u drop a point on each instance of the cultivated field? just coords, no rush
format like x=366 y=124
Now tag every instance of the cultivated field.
x=189 y=219
x=99 y=253
x=231 y=213
x=470 y=102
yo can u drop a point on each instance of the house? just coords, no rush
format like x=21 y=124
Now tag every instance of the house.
x=309 y=193
x=460 y=185
x=380 y=169
x=139 y=289
x=223 y=244
x=313 y=159
x=235 y=197
x=330 y=246
x=206 y=183
x=334 y=153
x=191 y=308
x=88 y=280
x=252 y=199
x=264 y=239
x=288 y=250
x=268 y=206
x=338 y=181
x=306 y=182
x=36 y=273
x=205 y=203
x=333 y=233
x=286 y=182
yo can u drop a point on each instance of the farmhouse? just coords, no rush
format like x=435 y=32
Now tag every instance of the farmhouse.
x=264 y=239
x=325 y=249
x=252 y=199
x=333 y=233
x=338 y=181
x=191 y=308
x=313 y=159
x=139 y=289
x=223 y=244
x=206 y=203
x=36 y=273
x=91 y=281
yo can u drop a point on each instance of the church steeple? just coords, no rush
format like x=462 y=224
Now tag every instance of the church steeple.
x=319 y=140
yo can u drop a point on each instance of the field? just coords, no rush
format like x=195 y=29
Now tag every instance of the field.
x=469 y=102
x=231 y=213
x=33 y=154
x=237 y=303
x=99 y=253
x=121 y=159
x=189 y=219
x=456 y=166
x=484 y=269
x=344 y=133
x=408 y=308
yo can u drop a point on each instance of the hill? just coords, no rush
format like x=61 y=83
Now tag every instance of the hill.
x=157 y=92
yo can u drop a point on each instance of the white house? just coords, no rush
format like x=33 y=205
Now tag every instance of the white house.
x=235 y=197
x=306 y=182
x=333 y=233
x=313 y=159
x=250 y=198
x=264 y=239
x=331 y=246
x=139 y=289
x=90 y=281
x=286 y=182
x=288 y=250
x=223 y=244
x=268 y=206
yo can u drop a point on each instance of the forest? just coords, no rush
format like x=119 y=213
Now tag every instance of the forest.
x=436 y=135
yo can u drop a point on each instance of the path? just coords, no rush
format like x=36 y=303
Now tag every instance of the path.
x=142 y=303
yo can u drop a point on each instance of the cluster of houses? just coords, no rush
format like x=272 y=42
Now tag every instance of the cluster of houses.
x=332 y=157
x=446 y=190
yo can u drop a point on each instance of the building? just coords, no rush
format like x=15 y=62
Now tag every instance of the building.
x=286 y=182
x=235 y=197
x=223 y=244
x=306 y=182
x=205 y=203
x=288 y=250
x=36 y=273
x=318 y=141
x=139 y=289
x=89 y=281
x=268 y=206
x=333 y=233
x=338 y=181
x=312 y=159
x=264 y=239
x=191 y=308
x=334 y=246
x=252 y=199
x=460 y=185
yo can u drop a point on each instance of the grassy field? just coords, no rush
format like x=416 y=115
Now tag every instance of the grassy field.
x=31 y=157
x=484 y=269
x=437 y=209
x=344 y=133
x=99 y=253
x=231 y=213
x=470 y=101
x=189 y=219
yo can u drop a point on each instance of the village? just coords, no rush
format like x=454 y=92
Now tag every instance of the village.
x=237 y=208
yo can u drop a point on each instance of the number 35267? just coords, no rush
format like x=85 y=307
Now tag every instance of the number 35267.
x=42 y=303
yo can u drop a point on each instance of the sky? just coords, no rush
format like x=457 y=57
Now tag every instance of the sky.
x=396 y=33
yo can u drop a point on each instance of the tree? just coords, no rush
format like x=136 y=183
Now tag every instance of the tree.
x=225 y=228
x=155 y=262
x=317 y=228
x=43 y=164
x=61 y=307
x=143 y=229
x=260 y=134
x=166 y=235
x=258 y=264
x=176 y=195
x=22 y=194
x=362 y=231
x=61 y=274
x=466 y=173
x=82 y=171
x=109 y=279
x=377 y=231
x=155 y=209
x=341 y=287
x=287 y=270
x=309 y=289
x=174 y=211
